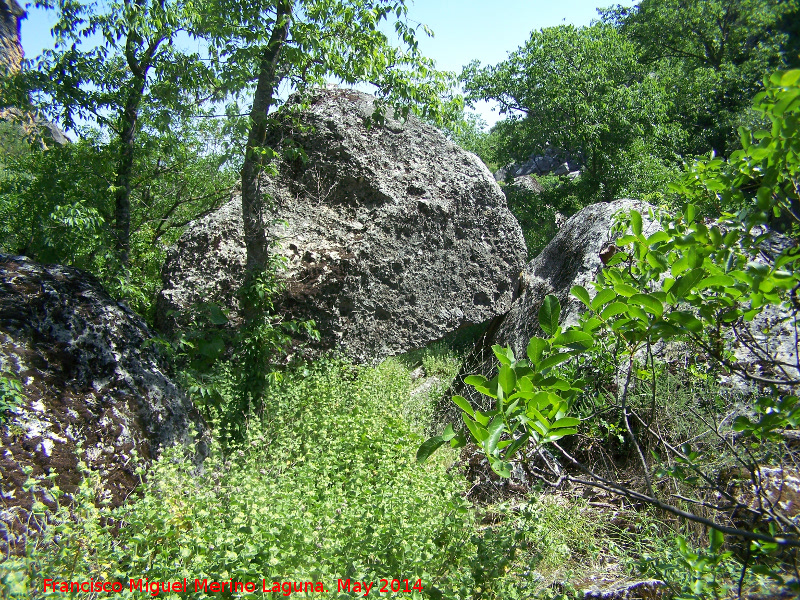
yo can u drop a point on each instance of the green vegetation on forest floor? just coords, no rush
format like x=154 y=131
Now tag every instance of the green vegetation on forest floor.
x=325 y=487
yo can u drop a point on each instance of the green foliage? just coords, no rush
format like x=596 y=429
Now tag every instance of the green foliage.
x=689 y=281
x=229 y=370
x=712 y=55
x=694 y=574
x=470 y=133
x=761 y=180
x=581 y=90
x=536 y=544
x=322 y=488
x=531 y=401
x=56 y=205
x=11 y=395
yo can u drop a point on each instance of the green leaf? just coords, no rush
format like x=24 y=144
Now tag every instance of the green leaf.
x=459 y=441
x=636 y=222
x=623 y=289
x=687 y=320
x=428 y=447
x=614 y=309
x=507 y=379
x=603 y=297
x=581 y=294
x=790 y=78
x=503 y=469
x=535 y=349
x=481 y=418
x=715 y=281
x=534 y=412
x=216 y=315
x=648 y=302
x=495 y=431
x=478 y=431
x=463 y=404
x=448 y=433
x=504 y=355
x=685 y=283
x=658 y=236
x=566 y=422
x=476 y=381
x=574 y=337
x=549 y=314
x=518 y=443
x=716 y=539
x=556 y=434
x=552 y=361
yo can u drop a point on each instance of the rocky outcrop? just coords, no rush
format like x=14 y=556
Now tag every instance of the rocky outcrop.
x=11 y=54
x=93 y=389
x=551 y=162
x=392 y=235
x=575 y=256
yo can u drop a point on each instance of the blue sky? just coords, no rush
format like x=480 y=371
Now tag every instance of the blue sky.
x=464 y=29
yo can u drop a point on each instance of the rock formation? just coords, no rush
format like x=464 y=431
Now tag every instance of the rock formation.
x=30 y=124
x=551 y=162
x=393 y=236
x=576 y=255
x=89 y=378
x=571 y=258
x=11 y=13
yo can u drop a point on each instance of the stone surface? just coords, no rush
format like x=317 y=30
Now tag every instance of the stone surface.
x=575 y=256
x=571 y=258
x=393 y=235
x=89 y=376
x=10 y=47
x=36 y=129
x=650 y=589
x=552 y=161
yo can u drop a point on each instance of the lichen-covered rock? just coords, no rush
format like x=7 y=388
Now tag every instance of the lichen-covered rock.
x=393 y=236
x=89 y=377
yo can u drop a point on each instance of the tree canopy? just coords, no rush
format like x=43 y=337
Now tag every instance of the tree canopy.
x=580 y=89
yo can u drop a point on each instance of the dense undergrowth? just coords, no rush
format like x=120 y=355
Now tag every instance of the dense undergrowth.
x=324 y=487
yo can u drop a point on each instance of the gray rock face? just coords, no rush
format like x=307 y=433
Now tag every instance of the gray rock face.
x=89 y=377
x=571 y=258
x=551 y=161
x=393 y=236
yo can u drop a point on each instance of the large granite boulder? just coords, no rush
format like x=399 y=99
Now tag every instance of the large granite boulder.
x=93 y=388
x=393 y=236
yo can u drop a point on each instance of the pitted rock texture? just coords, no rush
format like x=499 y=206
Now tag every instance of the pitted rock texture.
x=394 y=236
x=89 y=377
x=552 y=161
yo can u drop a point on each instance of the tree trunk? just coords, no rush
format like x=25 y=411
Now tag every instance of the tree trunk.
x=122 y=210
x=255 y=236
x=127 y=133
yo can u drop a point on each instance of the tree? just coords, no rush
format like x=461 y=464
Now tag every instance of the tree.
x=136 y=68
x=714 y=54
x=263 y=45
x=581 y=90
